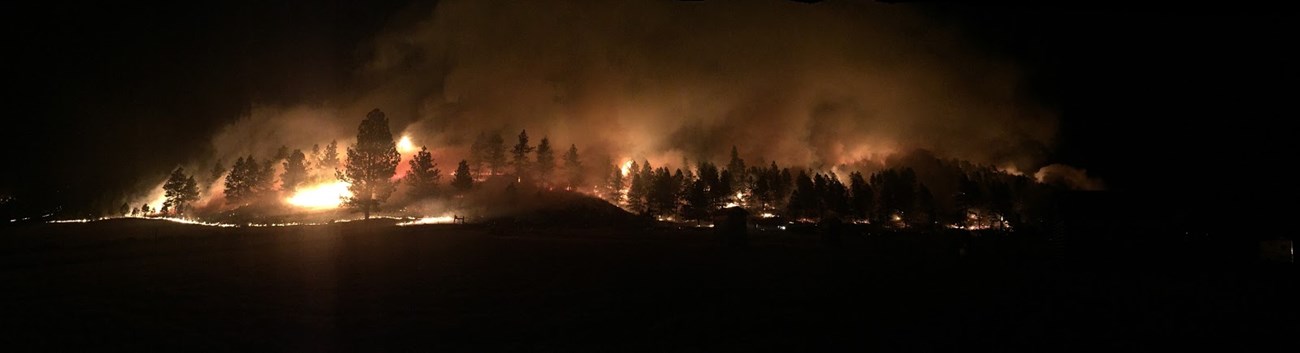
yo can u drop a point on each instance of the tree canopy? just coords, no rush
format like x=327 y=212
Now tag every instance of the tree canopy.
x=295 y=171
x=462 y=180
x=371 y=164
x=573 y=167
x=545 y=163
x=520 y=153
x=423 y=176
x=180 y=190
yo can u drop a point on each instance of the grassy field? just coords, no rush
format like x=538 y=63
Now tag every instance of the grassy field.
x=372 y=286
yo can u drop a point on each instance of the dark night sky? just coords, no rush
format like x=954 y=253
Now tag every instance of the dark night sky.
x=1153 y=99
x=110 y=91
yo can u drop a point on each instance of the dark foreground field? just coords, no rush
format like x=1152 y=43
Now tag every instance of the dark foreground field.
x=157 y=285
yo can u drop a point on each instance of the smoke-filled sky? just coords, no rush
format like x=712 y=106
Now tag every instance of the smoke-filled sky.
x=119 y=96
x=814 y=85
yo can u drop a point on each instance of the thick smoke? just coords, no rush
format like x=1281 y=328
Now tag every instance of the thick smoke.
x=835 y=85
x=815 y=85
x=1071 y=177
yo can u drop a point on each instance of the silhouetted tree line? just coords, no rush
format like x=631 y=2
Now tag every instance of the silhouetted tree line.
x=971 y=195
x=527 y=163
x=893 y=197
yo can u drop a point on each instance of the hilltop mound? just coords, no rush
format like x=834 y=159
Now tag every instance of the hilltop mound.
x=564 y=208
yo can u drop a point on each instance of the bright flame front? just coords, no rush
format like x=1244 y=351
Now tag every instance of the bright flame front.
x=321 y=196
x=430 y=220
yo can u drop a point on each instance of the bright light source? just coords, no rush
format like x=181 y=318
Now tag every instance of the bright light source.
x=405 y=146
x=430 y=220
x=321 y=196
x=627 y=166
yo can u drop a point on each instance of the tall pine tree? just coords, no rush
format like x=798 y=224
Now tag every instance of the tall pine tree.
x=180 y=190
x=520 y=155
x=295 y=171
x=545 y=161
x=371 y=164
x=423 y=176
x=462 y=180
x=496 y=154
x=573 y=167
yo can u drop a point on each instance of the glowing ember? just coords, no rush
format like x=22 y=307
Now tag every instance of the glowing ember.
x=320 y=196
x=767 y=215
x=405 y=146
x=430 y=220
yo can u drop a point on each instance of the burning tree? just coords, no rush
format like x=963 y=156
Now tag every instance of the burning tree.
x=371 y=164
x=180 y=191
x=423 y=176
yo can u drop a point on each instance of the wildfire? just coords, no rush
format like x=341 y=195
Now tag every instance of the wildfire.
x=739 y=201
x=405 y=146
x=627 y=166
x=321 y=196
x=430 y=220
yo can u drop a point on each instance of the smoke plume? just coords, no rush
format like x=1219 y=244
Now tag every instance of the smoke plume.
x=814 y=85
